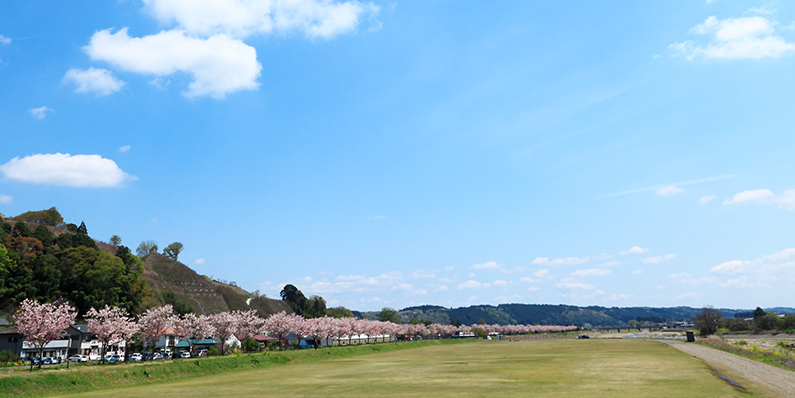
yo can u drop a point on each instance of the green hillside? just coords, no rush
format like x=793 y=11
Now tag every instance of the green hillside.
x=44 y=258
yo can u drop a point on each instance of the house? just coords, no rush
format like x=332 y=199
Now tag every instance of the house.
x=11 y=339
x=167 y=340
x=85 y=343
x=54 y=349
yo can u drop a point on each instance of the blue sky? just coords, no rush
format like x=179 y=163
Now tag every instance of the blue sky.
x=426 y=152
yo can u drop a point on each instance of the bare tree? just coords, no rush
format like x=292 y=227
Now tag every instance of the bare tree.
x=145 y=248
x=115 y=240
x=707 y=320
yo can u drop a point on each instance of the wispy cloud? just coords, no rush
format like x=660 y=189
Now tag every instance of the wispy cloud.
x=634 y=250
x=661 y=186
x=124 y=148
x=591 y=272
x=6 y=199
x=41 y=112
x=657 y=259
x=706 y=199
x=669 y=190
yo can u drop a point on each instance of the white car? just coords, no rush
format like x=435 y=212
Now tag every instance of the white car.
x=78 y=358
x=184 y=354
x=136 y=357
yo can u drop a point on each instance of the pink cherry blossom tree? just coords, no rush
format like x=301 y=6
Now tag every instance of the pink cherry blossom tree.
x=154 y=322
x=110 y=325
x=194 y=328
x=280 y=325
x=43 y=323
x=249 y=323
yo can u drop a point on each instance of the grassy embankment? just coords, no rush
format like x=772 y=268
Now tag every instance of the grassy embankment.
x=90 y=377
x=551 y=368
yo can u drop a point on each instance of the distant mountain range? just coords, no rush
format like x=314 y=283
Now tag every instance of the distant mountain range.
x=545 y=314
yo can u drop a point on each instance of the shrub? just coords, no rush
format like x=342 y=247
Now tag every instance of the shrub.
x=250 y=345
x=8 y=356
x=212 y=351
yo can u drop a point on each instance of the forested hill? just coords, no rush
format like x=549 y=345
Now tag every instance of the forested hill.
x=544 y=314
x=44 y=258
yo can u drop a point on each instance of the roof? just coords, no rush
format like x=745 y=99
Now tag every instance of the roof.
x=4 y=322
x=262 y=338
x=207 y=342
x=80 y=328
x=182 y=344
x=11 y=330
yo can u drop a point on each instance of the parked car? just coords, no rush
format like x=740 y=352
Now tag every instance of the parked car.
x=136 y=357
x=114 y=358
x=157 y=356
x=78 y=358
x=583 y=336
x=184 y=354
x=48 y=361
x=34 y=360
x=201 y=353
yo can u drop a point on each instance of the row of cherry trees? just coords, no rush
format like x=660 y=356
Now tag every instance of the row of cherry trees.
x=43 y=323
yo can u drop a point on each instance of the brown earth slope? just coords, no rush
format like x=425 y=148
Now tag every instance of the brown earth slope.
x=202 y=293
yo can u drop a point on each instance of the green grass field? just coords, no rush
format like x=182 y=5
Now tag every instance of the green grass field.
x=545 y=368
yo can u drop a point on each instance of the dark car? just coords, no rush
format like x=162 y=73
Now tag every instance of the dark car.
x=583 y=336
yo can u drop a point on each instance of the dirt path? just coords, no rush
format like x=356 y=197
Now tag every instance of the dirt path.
x=776 y=379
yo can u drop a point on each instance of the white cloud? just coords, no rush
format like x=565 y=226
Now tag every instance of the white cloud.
x=777 y=263
x=527 y=279
x=734 y=38
x=591 y=272
x=685 y=278
x=634 y=250
x=219 y=65
x=99 y=81
x=688 y=296
x=669 y=190
x=5 y=199
x=242 y=18
x=575 y=285
x=765 y=197
x=493 y=265
x=450 y=268
x=637 y=272
x=754 y=195
x=41 y=112
x=441 y=288
x=706 y=199
x=5 y=40
x=200 y=261
x=377 y=218
x=124 y=148
x=657 y=259
x=65 y=170
x=488 y=265
x=472 y=284
x=541 y=273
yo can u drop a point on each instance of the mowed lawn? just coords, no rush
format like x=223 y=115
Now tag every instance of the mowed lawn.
x=544 y=368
